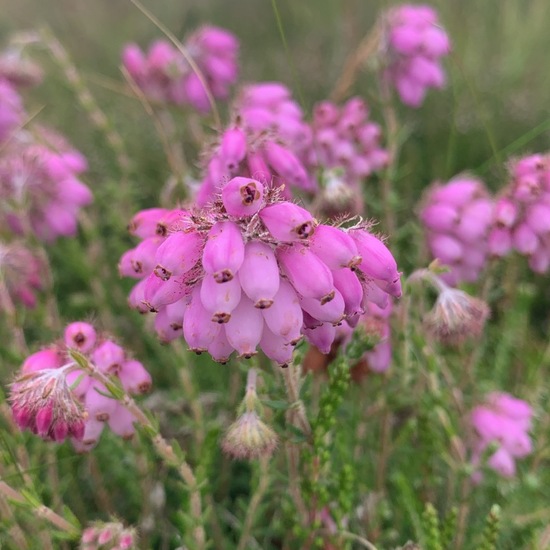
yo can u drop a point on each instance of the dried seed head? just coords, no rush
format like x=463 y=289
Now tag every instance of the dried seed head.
x=457 y=316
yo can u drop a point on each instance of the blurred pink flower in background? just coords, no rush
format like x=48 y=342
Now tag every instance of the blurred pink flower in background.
x=414 y=43
x=165 y=75
x=504 y=421
x=457 y=218
x=522 y=213
x=40 y=187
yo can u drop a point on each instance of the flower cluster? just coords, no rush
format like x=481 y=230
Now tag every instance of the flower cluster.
x=522 y=213
x=40 y=186
x=343 y=137
x=20 y=272
x=457 y=218
x=269 y=107
x=55 y=398
x=252 y=147
x=254 y=270
x=165 y=74
x=108 y=536
x=415 y=43
x=503 y=421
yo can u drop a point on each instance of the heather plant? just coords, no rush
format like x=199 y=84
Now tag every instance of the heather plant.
x=255 y=363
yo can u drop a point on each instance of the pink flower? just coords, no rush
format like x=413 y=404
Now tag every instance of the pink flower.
x=55 y=398
x=415 y=43
x=40 y=186
x=457 y=218
x=165 y=75
x=345 y=145
x=504 y=421
x=267 y=142
x=17 y=69
x=263 y=279
x=521 y=218
x=108 y=536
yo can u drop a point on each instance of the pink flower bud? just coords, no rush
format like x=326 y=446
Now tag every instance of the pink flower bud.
x=500 y=242
x=198 y=329
x=44 y=418
x=440 y=217
x=446 y=248
x=242 y=196
x=334 y=247
x=457 y=192
x=224 y=251
x=121 y=422
x=505 y=213
x=158 y=293
x=259 y=274
x=538 y=218
x=377 y=260
x=136 y=298
x=310 y=277
x=133 y=60
x=284 y=317
x=244 y=329
x=347 y=283
x=524 y=239
x=276 y=348
x=99 y=406
x=178 y=254
x=233 y=149
x=220 y=299
x=287 y=221
x=220 y=349
x=287 y=165
x=331 y=312
x=169 y=321
x=134 y=377
x=49 y=358
x=321 y=337
x=108 y=357
x=80 y=336
x=142 y=260
x=257 y=167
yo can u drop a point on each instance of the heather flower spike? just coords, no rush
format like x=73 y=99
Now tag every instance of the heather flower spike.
x=457 y=218
x=414 y=43
x=165 y=75
x=502 y=421
x=249 y=438
x=258 y=279
x=56 y=395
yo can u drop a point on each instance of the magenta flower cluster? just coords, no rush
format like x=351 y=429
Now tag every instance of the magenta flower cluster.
x=522 y=213
x=265 y=143
x=457 y=217
x=503 y=421
x=253 y=270
x=40 y=186
x=414 y=42
x=343 y=137
x=165 y=74
x=56 y=399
